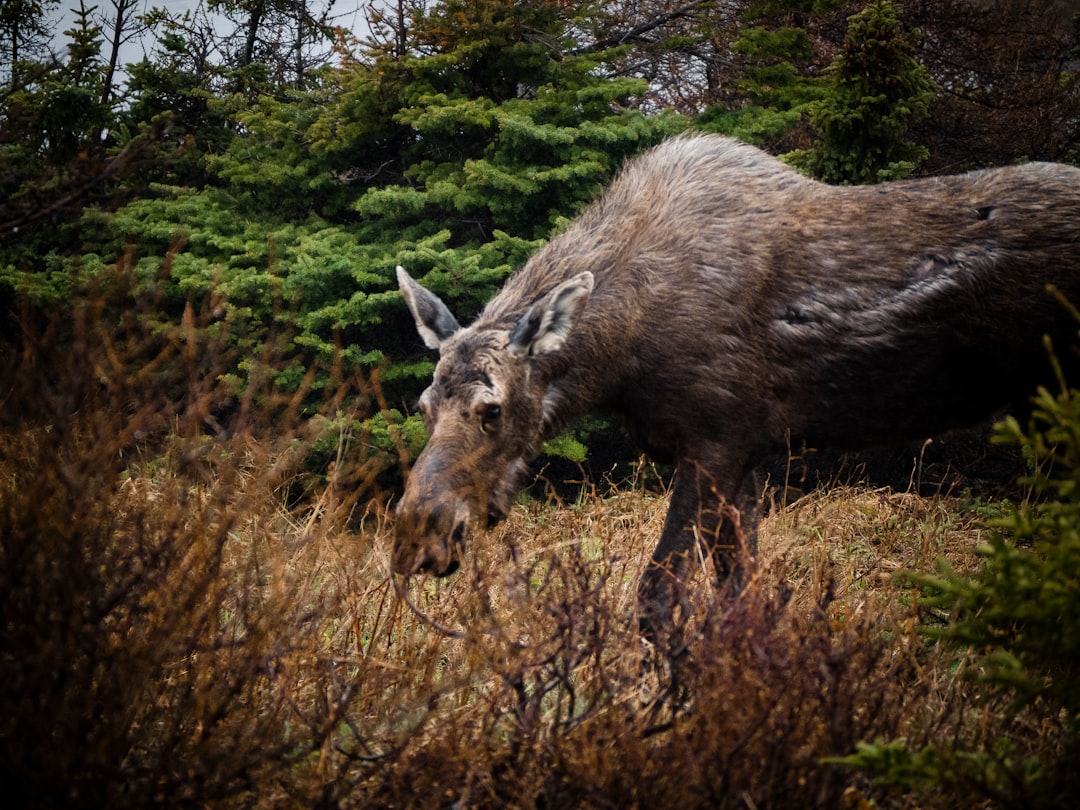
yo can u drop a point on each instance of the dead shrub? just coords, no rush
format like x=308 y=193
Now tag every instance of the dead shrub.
x=179 y=628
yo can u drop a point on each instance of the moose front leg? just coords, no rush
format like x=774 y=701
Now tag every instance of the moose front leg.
x=708 y=513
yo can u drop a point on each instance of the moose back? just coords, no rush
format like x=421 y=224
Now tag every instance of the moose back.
x=728 y=307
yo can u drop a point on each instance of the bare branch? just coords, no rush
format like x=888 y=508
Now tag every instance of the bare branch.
x=638 y=32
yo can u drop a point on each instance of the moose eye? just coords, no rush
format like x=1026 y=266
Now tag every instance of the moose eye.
x=489 y=415
x=424 y=408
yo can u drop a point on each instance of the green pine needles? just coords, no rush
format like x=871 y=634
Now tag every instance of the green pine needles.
x=874 y=89
x=1016 y=623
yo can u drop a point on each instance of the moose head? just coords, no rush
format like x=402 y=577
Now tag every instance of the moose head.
x=487 y=412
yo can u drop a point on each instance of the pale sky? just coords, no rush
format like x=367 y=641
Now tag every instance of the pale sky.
x=348 y=14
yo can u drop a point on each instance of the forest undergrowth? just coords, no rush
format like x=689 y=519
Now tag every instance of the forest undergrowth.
x=193 y=615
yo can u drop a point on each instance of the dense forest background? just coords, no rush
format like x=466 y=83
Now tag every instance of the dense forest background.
x=207 y=373
x=267 y=171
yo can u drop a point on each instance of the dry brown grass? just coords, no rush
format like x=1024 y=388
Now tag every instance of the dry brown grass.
x=178 y=632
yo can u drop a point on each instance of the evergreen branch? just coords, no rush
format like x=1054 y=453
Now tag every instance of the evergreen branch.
x=128 y=155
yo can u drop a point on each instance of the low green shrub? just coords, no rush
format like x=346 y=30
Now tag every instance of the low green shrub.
x=1017 y=623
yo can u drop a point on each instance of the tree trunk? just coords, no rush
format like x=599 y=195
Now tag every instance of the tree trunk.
x=254 y=21
x=120 y=19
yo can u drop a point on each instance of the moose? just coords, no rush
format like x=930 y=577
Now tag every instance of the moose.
x=728 y=307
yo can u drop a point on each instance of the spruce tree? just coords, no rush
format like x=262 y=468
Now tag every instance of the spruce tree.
x=875 y=89
x=773 y=71
x=456 y=152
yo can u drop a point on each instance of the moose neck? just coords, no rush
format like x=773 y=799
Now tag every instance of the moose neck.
x=588 y=371
x=626 y=240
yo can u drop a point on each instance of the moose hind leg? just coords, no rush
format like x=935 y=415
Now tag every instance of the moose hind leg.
x=735 y=542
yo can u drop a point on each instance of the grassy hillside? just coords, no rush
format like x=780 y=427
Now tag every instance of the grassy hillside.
x=191 y=617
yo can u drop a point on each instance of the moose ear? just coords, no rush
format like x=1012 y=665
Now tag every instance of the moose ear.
x=543 y=329
x=433 y=320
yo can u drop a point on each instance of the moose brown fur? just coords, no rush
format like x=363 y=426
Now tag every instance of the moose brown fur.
x=728 y=307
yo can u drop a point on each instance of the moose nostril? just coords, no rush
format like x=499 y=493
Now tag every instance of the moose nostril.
x=457 y=537
x=421 y=563
x=430 y=541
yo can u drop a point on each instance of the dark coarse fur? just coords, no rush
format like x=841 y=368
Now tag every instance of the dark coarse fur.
x=737 y=308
